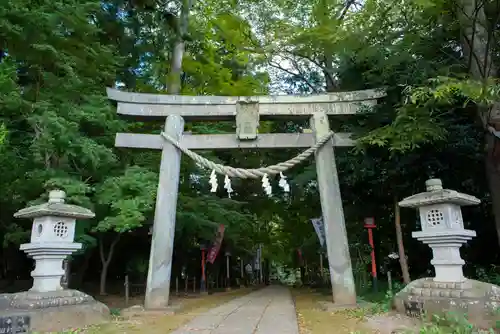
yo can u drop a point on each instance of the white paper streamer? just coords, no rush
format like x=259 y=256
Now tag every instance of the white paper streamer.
x=227 y=186
x=283 y=183
x=266 y=185
x=213 y=181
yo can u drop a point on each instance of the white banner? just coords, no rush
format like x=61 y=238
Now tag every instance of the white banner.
x=258 y=258
x=319 y=227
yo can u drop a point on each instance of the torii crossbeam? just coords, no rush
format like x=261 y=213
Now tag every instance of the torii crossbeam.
x=247 y=111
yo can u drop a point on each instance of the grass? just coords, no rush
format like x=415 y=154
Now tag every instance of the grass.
x=161 y=324
x=451 y=324
x=313 y=320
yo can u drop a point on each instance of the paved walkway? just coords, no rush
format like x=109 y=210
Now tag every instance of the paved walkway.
x=267 y=311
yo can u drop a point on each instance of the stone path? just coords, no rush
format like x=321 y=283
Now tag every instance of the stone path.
x=267 y=311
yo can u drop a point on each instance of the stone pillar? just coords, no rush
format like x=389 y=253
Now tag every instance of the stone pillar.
x=339 y=260
x=162 y=243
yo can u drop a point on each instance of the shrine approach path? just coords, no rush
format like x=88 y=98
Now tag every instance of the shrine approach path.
x=268 y=311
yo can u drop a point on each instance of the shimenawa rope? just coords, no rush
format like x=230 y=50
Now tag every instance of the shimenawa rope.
x=250 y=173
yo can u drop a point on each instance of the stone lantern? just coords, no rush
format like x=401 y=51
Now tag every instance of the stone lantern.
x=52 y=239
x=442 y=227
x=47 y=307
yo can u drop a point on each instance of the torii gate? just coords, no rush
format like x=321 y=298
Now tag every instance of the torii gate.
x=248 y=111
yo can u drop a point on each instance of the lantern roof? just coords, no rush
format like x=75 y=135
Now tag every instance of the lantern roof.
x=55 y=207
x=435 y=194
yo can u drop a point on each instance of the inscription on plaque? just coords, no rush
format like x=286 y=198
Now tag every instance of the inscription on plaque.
x=16 y=324
x=65 y=277
x=247 y=121
x=413 y=309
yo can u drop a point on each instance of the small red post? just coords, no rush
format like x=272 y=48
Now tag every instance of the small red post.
x=203 y=264
x=370 y=225
x=203 y=281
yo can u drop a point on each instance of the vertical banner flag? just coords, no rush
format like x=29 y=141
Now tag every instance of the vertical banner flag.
x=214 y=251
x=319 y=227
x=258 y=258
x=301 y=258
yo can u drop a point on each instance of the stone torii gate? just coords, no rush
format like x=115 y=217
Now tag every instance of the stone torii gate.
x=248 y=111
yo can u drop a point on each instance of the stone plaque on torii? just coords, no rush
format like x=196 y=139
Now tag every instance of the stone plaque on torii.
x=247 y=112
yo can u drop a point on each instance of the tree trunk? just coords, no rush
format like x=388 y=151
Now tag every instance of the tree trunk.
x=302 y=275
x=493 y=176
x=328 y=71
x=477 y=43
x=174 y=78
x=105 y=261
x=401 y=247
x=104 y=276
x=174 y=82
x=80 y=273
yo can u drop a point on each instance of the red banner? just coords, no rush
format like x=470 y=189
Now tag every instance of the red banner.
x=301 y=259
x=214 y=251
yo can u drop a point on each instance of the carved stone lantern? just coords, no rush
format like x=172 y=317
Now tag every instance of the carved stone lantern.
x=47 y=306
x=52 y=239
x=442 y=227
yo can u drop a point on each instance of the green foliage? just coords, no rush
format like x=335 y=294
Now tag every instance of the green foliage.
x=129 y=198
x=10 y=97
x=419 y=120
x=15 y=234
x=448 y=91
x=137 y=266
x=412 y=127
x=3 y=134
x=451 y=324
x=489 y=275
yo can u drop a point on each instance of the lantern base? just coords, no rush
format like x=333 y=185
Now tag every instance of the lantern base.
x=446 y=258
x=54 y=311
x=49 y=259
x=478 y=300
